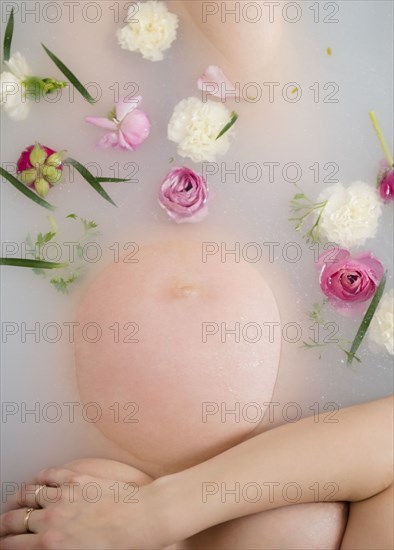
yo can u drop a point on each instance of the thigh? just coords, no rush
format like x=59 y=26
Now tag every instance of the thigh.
x=301 y=526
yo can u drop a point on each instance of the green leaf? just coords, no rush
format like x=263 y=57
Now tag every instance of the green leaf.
x=72 y=216
x=299 y=196
x=25 y=190
x=226 y=128
x=88 y=224
x=36 y=264
x=88 y=176
x=71 y=77
x=366 y=321
x=113 y=180
x=61 y=284
x=43 y=239
x=9 y=31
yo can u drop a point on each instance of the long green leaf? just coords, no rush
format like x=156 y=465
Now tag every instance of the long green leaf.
x=88 y=176
x=366 y=320
x=226 y=128
x=9 y=31
x=71 y=77
x=37 y=264
x=25 y=190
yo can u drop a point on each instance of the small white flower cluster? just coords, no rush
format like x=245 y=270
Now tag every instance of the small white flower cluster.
x=151 y=30
x=351 y=214
x=12 y=93
x=381 y=330
x=195 y=125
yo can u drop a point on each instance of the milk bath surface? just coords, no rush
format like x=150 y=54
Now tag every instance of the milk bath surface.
x=323 y=136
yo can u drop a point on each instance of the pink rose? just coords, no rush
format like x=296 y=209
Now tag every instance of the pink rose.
x=349 y=281
x=183 y=194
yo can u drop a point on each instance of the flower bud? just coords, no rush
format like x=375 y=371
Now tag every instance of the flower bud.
x=386 y=184
x=42 y=187
x=28 y=176
x=52 y=174
x=55 y=159
x=37 y=155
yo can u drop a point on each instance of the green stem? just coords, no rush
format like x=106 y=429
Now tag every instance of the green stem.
x=381 y=139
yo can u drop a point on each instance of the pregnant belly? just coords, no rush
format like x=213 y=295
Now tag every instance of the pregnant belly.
x=184 y=363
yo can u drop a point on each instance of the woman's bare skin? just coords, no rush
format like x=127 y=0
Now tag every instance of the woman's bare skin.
x=171 y=292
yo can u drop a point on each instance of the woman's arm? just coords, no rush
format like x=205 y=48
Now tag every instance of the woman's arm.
x=312 y=460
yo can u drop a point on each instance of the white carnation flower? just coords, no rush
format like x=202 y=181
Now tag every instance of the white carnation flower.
x=351 y=214
x=153 y=31
x=195 y=125
x=12 y=92
x=381 y=329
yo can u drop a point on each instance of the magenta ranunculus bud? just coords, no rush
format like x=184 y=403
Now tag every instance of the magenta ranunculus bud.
x=349 y=281
x=183 y=194
x=40 y=168
x=386 y=184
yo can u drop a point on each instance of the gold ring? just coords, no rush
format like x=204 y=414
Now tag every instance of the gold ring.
x=26 y=520
x=36 y=493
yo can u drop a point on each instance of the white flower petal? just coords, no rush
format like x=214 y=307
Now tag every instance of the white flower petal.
x=153 y=31
x=351 y=215
x=195 y=125
x=12 y=96
x=17 y=64
x=381 y=329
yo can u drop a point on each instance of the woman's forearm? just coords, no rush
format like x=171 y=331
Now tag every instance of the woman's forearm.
x=308 y=461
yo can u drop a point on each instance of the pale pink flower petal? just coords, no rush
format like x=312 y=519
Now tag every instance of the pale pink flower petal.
x=348 y=281
x=136 y=127
x=101 y=122
x=109 y=140
x=123 y=107
x=214 y=82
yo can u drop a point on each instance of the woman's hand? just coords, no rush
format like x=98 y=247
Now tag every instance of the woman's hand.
x=76 y=511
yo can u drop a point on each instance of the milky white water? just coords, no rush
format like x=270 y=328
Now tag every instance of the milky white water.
x=308 y=133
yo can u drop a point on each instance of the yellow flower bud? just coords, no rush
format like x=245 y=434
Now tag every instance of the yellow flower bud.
x=38 y=155
x=28 y=176
x=42 y=187
x=52 y=174
x=55 y=159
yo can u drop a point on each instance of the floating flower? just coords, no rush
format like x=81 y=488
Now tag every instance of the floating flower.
x=195 y=126
x=386 y=184
x=18 y=86
x=151 y=32
x=214 y=82
x=381 y=330
x=183 y=194
x=351 y=214
x=40 y=167
x=12 y=94
x=349 y=281
x=128 y=125
x=386 y=176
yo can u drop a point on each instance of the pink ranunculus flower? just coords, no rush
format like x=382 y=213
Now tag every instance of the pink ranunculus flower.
x=349 y=281
x=214 y=82
x=128 y=126
x=386 y=183
x=183 y=194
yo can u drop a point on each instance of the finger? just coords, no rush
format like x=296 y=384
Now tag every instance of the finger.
x=21 y=542
x=35 y=496
x=54 y=476
x=13 y=522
